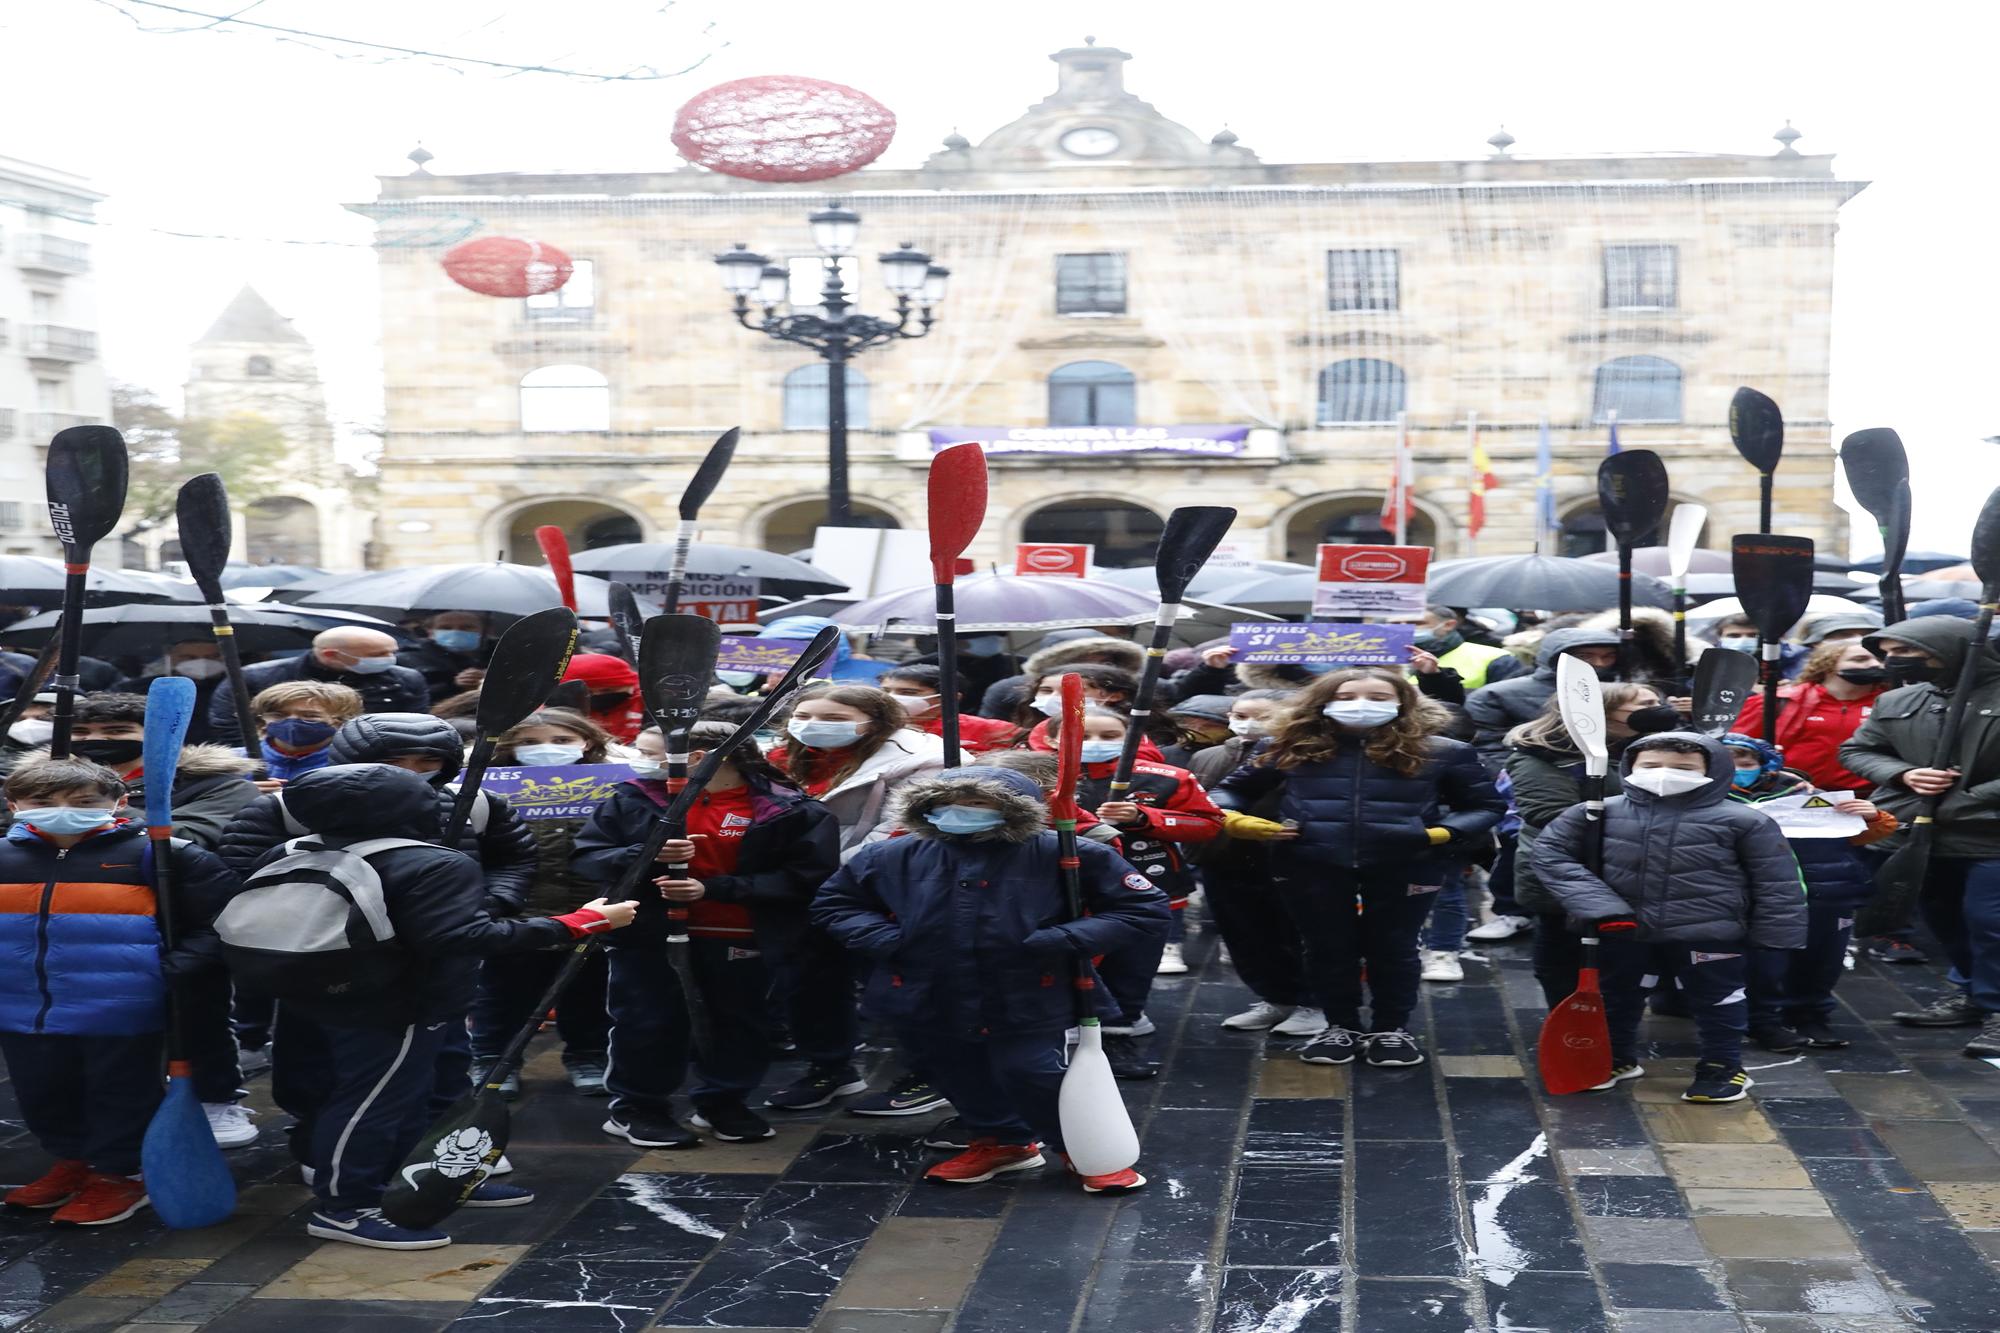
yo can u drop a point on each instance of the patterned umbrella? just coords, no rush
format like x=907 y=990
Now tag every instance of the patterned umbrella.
x=776 y=575
x=994 y=603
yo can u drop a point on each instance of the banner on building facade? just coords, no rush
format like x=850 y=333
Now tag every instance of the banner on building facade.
x=1371 y=581
x=1345 y=643
x=1224 y=441
x=1067 y=560
x=729 y=598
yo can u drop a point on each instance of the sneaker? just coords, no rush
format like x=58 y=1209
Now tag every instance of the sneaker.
x=230 y=1124
x=948 y=1134
x=253 y=1060
x=1776 y=1038
x=1620 y=1071
x=819 y=1085
x=1442 y=965
x=1305 y=1021
x=650 y=1129
x=503 y=1167
x=104 y=1199
x=1886 y=950
x=56 y=1187
x=1333 y=1046
x=1955 y=1010
x=1718 y=1082
x=732 y=1122
x=1258 y=1017
x=510 y=1086
x=909 y=1095
x=497 y=1194
x=1172 y=964
x=1129 y=1060
x=1504 y=927
x=307 y=1175
x=586 y=1076
x=1988 y=1041
x=1816 y=1034
x=1393 y=1049
x=1111 y=1182
x=367 y=1226
x=985 y=1159
x=1141 y=1027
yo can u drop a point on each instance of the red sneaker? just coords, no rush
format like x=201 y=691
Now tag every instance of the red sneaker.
x=55 y=1188
x=102 y=1200
x=985 y=1159
x=1114 y=1182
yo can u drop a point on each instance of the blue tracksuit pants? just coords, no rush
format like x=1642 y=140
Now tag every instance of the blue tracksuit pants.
x=652 y=1046
x=1712 y=979
x=1004 y=1087
x=86 y=1099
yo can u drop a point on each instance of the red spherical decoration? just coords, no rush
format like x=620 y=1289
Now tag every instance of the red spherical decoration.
x=783 y=128
x=507 y=266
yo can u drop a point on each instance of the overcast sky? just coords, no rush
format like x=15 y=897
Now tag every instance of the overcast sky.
x=246 y=135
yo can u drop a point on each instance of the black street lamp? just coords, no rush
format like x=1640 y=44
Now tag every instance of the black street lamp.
x=837 y=332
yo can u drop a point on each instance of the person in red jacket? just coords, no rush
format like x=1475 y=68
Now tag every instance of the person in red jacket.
x=614 y=693
x=918 y=687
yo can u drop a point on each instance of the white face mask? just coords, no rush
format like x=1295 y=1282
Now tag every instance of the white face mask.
x=545 y=755
x=1667 y=781
x=32 y=731
x=1049 y=705
x=1361 y=712
x=1248 y=726
x=1738 y=643
x=199 y=668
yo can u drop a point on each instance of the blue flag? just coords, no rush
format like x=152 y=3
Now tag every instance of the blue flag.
x=1545 y=488
x=1612 y=448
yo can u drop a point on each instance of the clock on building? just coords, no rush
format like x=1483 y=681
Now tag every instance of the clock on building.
x=1090 y=141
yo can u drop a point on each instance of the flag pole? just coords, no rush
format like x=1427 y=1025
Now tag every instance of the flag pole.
x=1545 y=489
x=1473 y=484
x=1401 y=498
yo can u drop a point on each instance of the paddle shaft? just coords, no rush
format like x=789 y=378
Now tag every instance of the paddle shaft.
x=677 y=570
x=31 y=682
x=178 y=1065
x=1769 y=652
x=232 y=663
x=468 y=789
x=1142 y=703
x=947 y=653
x=1625 y=645
x=1764 y=482
x=1680 y=629
x=1082 y=981
x=70 y=649
x=1954 y=712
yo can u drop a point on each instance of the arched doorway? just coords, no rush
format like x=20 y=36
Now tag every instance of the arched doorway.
x=281 y=530
x=1349 y=520
x=587 y=523
x=789 y=528
x=1124 y=534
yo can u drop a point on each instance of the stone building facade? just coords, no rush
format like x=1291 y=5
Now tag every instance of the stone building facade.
x=1262 y=328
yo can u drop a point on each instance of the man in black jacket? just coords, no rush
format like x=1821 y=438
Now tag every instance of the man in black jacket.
x=453 y=655
x=362 y=659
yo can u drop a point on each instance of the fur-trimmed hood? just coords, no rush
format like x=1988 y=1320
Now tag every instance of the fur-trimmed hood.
x=1652 y=632
x=1019 y=799
x=214 y=761
x=1122 y=652
x=1264 y=676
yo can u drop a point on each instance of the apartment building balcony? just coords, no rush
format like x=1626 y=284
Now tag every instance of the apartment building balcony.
x=53 y=342
x=39 y=252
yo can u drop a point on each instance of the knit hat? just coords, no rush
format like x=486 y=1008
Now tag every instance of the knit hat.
x=1213 y=707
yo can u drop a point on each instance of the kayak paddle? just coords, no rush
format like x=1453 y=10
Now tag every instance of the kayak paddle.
x=1574 y=1052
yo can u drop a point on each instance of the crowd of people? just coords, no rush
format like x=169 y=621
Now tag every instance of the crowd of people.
x=1347 y=831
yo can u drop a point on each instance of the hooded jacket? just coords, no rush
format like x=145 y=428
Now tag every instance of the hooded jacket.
x=1541 y=784
x=1812 y=726
x=1696 y=867
x=397 y=690
x=1498 y=708
x=1903 y=730
x=1060 y=648
x=433 y=895
x=1652 y=643
x=602 y=673
x=1835 y=876
x=971 y=935
x=845 y=665
x=211 y=786
x=861 y=802
x=438 y=667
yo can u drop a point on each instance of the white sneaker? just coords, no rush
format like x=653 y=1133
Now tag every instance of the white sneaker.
x=1259 y=1016
x=230 y=1124
x=500 y=1168
x=1304 y=1022
x=1499 y=928
x=1442 y=965
x=1171 y=962
x=1143 y=1027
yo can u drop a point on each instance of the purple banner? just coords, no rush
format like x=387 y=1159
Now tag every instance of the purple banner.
x=1228 y=441
x=740 y=652
x=562 y=791
x=1347 y=644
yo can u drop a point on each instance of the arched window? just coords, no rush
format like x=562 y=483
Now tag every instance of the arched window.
x=1093 y=393
x=1637 y=388
x=1352 y=520
x=789 y=528
x=281 y=530
x=565 y=398
x=1124 y=534
x=1362 y=389
x=805 y=398
x=257 y=367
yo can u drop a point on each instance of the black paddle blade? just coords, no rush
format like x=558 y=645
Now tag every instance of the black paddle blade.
x=527 y=664
x=1191 y=536
x=201 y=513
x=709 y=475
x=627 y=619
x=1724 y=679
x=87 y=472
x=1774 y=577
x=1758 y=429
x=1897 y=884
x=1986 y=543
x=1632 y=493
x=1896 y=527
x=1874 y=460
x=676 y=663
x=448 y=1163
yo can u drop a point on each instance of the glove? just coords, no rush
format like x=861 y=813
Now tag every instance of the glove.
x=584 y=921
x=1611 y=925
x=1438 y=836
x=1236 y=824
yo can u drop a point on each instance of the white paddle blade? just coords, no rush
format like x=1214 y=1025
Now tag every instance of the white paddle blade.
x=1097 y=1130
x=1683 y=531
x=1581 y=699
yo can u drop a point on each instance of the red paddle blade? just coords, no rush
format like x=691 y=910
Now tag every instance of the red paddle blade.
x=957 y=505
x=1575 y=1048
x=1069 y=749
x=555 y=549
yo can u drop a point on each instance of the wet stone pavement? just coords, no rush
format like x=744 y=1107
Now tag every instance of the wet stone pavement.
x=1858 y=1190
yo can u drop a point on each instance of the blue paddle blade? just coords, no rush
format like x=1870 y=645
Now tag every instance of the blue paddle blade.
x=187 y=1180
x=169 y=708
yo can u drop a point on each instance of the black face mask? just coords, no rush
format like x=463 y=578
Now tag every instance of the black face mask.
x=1657 y=718
x=1864 y=675
x=1606 y=674
x=1910 y=671
x=605 y=703
x=112 y=753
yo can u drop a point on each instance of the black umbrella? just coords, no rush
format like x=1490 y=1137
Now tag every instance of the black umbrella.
x=145 y=631
x=266 y=576
x=1826 y=581
x=1538 y=583
x=777 y=575
x=33 y=580
x=494 y=589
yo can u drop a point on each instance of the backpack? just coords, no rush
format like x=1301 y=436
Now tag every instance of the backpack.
x=313 y=924
x=480 y=816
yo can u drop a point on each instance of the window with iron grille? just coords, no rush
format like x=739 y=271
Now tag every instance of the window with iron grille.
x=1092 y=284
x=10 y=515
x=1093 y=393
x=1362 y=390
x=1363 y=280
x=1641 y=277
x=1637 y=388
x=805 y=406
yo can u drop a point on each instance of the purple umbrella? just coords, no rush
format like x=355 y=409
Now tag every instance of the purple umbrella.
x=994 y=603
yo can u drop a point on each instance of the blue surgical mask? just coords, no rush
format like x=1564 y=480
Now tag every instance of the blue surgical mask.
x=964 y=819
x=737 y=680
x=1361 y=712
x=1738 y=643
x=647 y=768
x=298 y=733
x=546 y=755
x=823 y=735
x=62 y=821
x=984 y=645
x=1745 y=777
x=370 y=666
x=1424 y=639
x=1102 y=752
x=456 y=640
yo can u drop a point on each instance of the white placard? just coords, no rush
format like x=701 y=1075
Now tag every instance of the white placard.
x=1813 y=815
